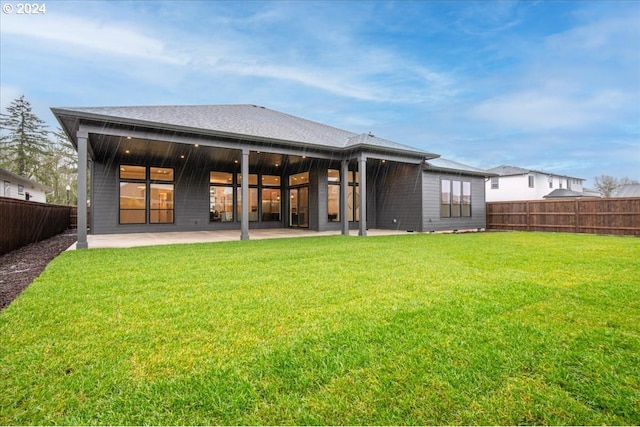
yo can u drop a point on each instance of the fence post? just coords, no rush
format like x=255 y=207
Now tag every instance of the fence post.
x=528 y=218
x=577 y=214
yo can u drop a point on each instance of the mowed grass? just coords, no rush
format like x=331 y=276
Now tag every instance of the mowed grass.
x=489 y=328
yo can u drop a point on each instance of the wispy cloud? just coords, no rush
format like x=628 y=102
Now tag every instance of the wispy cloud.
x=90 y=35
x=323 y=57
x=536 y=110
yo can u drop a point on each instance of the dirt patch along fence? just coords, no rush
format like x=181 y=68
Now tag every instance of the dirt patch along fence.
x=23 y=222
x=620 y=216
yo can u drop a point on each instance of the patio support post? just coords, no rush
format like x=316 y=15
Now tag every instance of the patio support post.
x=362 y=168
x=82 y=137
x=344 y=197
x=244 y=195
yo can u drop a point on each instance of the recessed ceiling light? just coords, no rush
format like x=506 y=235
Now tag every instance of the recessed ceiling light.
x=182 y=156
x=127 y=151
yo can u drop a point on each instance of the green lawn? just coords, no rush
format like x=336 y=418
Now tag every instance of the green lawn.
x=488 y=328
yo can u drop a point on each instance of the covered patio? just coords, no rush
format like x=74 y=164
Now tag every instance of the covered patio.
x=130 y=240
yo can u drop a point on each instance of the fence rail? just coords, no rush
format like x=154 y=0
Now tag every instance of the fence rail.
x=595 y=216
x=23 y=222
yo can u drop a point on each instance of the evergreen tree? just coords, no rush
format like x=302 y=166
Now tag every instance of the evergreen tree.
x=61 y=170
x=24 y=145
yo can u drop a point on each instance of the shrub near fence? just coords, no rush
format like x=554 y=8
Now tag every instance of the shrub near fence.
x=23 y=222
x=619 y=216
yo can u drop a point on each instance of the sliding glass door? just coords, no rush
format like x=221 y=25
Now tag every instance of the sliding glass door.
x=299 y=207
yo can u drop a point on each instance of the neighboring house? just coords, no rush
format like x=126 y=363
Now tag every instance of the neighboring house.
x=220 y=167
x=514 y=183
x=628 y=190
x=17 y=187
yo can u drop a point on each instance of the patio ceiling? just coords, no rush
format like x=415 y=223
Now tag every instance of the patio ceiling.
x=108 y=147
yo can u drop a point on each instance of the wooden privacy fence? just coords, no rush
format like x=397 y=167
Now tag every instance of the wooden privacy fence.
x=23 y=222
x=596 y=216
x=74 y=217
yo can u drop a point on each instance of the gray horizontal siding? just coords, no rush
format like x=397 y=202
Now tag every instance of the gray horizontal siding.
x=398 y=202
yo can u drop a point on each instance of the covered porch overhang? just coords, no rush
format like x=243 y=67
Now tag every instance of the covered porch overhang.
x=109 y=143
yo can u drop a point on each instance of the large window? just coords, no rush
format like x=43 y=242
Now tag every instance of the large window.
x=333 y=196
x=270 y=198
x=455 y=198
x=220 y=196
x=301 y=178
x=146 y=189
x=264 y=197
x=466 y=199
x=445 y=198
x=299 y=200
x=253 y=197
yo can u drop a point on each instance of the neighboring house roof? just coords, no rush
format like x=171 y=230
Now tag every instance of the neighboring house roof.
x=505 y=170
x=628 y=190
x=248 y=122
x=589 y=192
x=24 y=181
x=508 y=170
x=560 y=193
x=446 y=165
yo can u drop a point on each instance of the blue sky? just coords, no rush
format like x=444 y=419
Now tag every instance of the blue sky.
x=546 y=85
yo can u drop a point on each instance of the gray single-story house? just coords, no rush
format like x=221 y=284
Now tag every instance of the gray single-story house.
x=220 y=167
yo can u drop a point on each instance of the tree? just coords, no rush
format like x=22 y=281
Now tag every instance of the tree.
x=608 y=185
x=626 y=180
x=24 y=142
x=61 y=170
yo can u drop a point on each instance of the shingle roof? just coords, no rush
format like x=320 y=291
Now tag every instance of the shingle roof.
x=245 y=121
x=508 y=170
x=559 y=193
x=450 y=165
x=628 y=190
x=505 y=170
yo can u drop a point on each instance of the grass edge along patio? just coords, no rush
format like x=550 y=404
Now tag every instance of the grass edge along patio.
x=238 y=167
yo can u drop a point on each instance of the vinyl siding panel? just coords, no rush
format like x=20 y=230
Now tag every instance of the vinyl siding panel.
x=104 y=198
x=398 y=197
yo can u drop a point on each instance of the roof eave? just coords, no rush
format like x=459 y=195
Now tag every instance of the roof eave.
x=391 y=150
x=459 y=171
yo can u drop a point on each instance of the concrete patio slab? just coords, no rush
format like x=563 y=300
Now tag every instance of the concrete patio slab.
x=130 y=240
